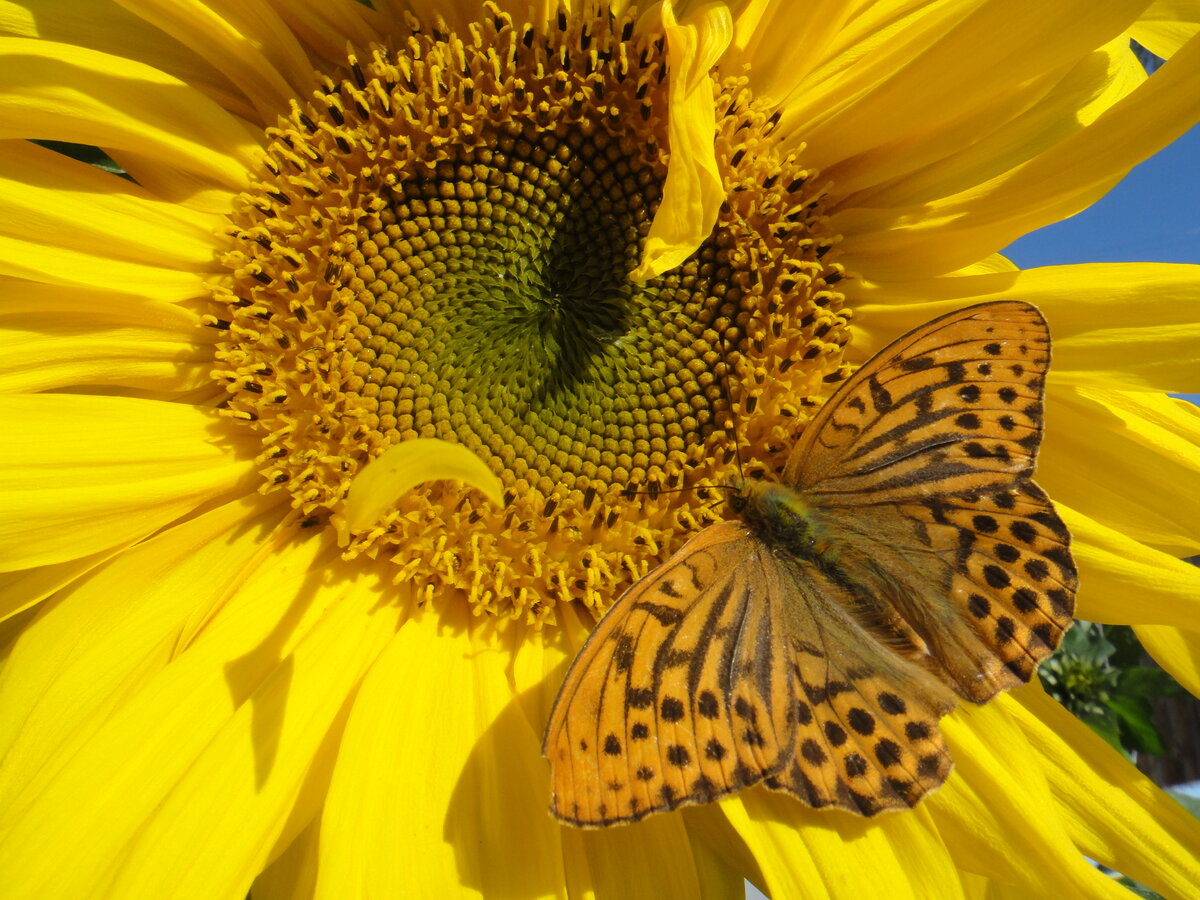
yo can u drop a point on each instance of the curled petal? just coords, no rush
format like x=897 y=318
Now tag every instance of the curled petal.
x=403 y=466
x=693 y=190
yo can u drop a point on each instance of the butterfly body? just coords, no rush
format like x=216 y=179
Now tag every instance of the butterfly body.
x=904 y=562
x=782 y=518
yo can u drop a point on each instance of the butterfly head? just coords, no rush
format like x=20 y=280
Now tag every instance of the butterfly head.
x=737 y=493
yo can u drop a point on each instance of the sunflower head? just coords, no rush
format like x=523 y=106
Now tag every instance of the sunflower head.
x=443 y=245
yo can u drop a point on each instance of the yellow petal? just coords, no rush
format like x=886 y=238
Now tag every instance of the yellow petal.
x=247 y=42
x=996 y=807
x=189 y=770
x=1095 y=339
x=108 y=28
x=54 y=337
x=720 y=873
x=439 y=774
x=540 y=662
x=75 y=662
x=827 y=853
x=25 y=588
x=693 y=191
x=293 y=874
x=403 y=466
x=65 y=222
x=651 y=858
x=766 y=34
x=993 y=136
x=65 y=93
x=1151 y=439
x=326 y=28
x=946 y=60
x=1165 y=26
x=263 y=771
x=1113 y=813
x=942 y=235
x=69 y=204
x=167 y=181
x=94 y=472
x=712 y=835
x=1114 y=568
x=433 y=807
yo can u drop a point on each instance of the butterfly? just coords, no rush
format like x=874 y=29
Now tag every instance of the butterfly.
x=905 y=561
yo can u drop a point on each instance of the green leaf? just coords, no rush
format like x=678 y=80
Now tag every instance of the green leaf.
x=85 y=153
x=1136 y=728
x=1148 y=681
x=1087 y=644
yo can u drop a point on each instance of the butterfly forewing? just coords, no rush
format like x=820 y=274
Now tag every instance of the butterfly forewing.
x=954 y=406
x=664 y=705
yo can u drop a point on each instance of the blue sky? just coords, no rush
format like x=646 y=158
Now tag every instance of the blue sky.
x=1153 y=215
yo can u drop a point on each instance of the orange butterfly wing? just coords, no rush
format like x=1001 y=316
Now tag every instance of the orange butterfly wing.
x=727 y=666
x=921 y=461
x=955 y=405
x=867 y=737
x=660 y=707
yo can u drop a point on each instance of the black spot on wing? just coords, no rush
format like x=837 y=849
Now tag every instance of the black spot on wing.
x=639 y=698
x=678 y=756
x=835 y=734
x=715 y=750
x=623 y=653
x=812 y=752
x=916 y=731
x=671 y=709
x=861 y=721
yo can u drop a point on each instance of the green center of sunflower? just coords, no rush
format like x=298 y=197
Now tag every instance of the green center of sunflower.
x=442 y=247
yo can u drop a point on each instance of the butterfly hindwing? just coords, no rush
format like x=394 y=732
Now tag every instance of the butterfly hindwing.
x=985 y=582
x=867 y=737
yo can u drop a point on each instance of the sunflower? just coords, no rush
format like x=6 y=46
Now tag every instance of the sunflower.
x=576 y=241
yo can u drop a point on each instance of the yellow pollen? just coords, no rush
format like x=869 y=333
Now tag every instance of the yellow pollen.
x=440 y=247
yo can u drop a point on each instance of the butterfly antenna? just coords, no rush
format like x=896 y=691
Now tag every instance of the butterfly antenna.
x=657 y=491
x=733 y=434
